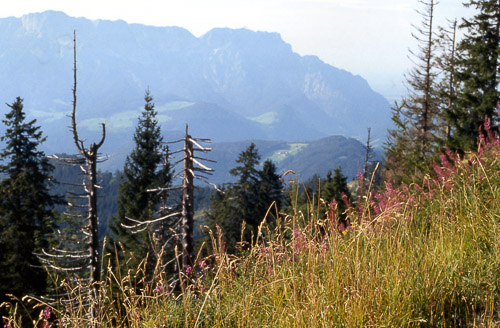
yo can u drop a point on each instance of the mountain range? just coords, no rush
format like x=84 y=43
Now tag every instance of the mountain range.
x=228 y=85
x=306 y=159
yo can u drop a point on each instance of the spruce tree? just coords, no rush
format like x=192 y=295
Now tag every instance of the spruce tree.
x=335 y=189
x=477 y=71
x=245 y=202
x=26 y=206
x=269 y=189
x=223 y=213
x=140 y=173
x=246 y=188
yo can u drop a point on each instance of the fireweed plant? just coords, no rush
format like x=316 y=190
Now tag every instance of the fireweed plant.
x=424 y=254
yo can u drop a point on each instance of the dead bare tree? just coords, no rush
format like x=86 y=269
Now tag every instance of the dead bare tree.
x=88 y=257
x=447 y=43
x=182 y=230
x=190 y=146
x=368 y=155
x=91 y=156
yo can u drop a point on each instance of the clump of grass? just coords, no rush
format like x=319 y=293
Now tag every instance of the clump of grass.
x=427 y=254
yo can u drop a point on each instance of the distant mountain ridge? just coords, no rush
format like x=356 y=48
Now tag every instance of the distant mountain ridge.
x=305 y=159
x=229 y=84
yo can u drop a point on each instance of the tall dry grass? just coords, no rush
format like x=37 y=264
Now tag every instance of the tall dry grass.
x=425 y=255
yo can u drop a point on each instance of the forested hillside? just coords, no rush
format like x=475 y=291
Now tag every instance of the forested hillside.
x=300 y=232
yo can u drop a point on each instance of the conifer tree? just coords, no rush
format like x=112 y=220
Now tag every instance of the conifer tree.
x=246 y=188
x=222 y=213
x=477 y=71
x=245 y=202
x=270 y=188
x=140 y=174
x=412 y=143
x=26 y=206
x=335 y=189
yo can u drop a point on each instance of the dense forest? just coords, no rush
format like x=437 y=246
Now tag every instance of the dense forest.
x=128 y=248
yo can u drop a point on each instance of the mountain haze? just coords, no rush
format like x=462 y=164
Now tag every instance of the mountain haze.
x=306 y=158
x=229 y=84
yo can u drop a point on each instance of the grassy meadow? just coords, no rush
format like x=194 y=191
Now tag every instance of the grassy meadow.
x=422 y=255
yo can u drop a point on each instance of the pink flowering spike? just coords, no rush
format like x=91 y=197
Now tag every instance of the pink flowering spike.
x=346 y=200
x=203 y=264
x=46 y=313
x=359 y=176
x=481 y=138
x=331 y=211
x=444 y=161
x=341 y=226
x=382 y=205
x=438 y=170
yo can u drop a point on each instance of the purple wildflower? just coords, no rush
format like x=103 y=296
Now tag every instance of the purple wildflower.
x=359 y=176
x=46 y=313
x=202 y=264
x=159 y=287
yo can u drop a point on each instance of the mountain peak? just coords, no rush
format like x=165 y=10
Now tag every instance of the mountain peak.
x=244 y=32
x=247 y=40
x=33 y=23
x=249 y=81
x=52 y=14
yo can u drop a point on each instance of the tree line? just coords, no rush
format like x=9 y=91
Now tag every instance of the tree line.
x=452 y=90
x=36 y=216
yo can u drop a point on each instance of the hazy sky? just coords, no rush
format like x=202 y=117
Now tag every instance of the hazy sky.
x=366 y=37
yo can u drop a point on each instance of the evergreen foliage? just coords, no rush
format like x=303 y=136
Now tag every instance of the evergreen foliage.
x=140 y=173
x=477 y=71
x=334 y=189
x=244 y=204
x=26 y=206
x=223 y=213
x=246 y=190
x=270 y=187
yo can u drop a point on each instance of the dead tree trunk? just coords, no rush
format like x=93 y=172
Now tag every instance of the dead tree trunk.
x=368 y=156
x=162 y=227
x=183 y=229
x=187 y=202
x=91 y=157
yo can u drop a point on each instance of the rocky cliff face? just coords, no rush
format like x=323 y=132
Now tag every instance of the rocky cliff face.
x=228 y=84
